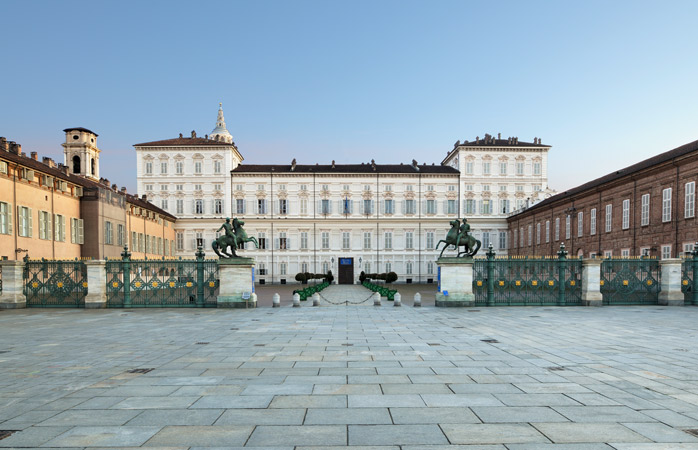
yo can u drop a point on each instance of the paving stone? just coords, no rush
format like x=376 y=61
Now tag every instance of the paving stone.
x=423 y=388
x=589 y=432
x=103 y=437
x=660 y=432
x=405 y=416
x=671 y=418
x=166 y=417
x=310 y=435
x=342 y=416
x=395 y=435
x=446 y=400
x=345 y=389
x=88 y=417
x=517 y=414
x=488 y=433
x=490 y=388
x=155 y=403
x=262 y=417
x=33 y=437
x=204 y=436
x=233 y=401
x=602 y=414
x=278 y=389
x=309 y=401
x=536 y=400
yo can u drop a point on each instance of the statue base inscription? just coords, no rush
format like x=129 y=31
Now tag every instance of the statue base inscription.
x=456 y=282
x=236 y=285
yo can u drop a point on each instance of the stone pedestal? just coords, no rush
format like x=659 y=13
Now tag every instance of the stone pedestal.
x=96 y=285
x=456 y=282
x=12 y=295
x=591 y=282
x=671 y=294
x=237 y=286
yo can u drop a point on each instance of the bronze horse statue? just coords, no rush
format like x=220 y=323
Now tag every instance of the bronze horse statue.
x=230 y=240
x=459 y=239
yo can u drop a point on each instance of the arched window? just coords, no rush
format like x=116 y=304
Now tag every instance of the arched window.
x=76 y=164
x=92 y=166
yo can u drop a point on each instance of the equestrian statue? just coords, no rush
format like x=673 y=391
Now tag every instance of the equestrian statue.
x=459 y=236
x=234 y=235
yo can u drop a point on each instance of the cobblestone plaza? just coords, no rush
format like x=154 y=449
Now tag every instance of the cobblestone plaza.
x=358 y=376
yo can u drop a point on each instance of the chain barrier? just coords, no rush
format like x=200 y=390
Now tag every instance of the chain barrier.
x=345 y=302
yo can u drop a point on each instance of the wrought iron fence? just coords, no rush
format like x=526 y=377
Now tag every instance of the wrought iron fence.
x=55 y=283
x=689 y=282
x=151 y=283
x=630 y=281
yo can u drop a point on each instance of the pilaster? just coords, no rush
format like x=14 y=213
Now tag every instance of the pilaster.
x=236 y=286
x=96 y=284
x=12 y=295
x=591 y=282
x=670 y=293
x=456 y=282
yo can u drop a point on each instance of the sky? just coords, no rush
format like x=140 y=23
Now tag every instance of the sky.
x=605 y=83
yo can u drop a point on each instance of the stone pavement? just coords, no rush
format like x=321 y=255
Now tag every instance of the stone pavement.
x=348 y=295
x=364 y=377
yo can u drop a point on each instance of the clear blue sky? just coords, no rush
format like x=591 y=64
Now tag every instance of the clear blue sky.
x=606 y=83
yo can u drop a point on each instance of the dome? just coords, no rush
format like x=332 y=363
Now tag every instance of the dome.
x=220 y=132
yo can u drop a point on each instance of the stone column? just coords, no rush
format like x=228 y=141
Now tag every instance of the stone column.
x=236 y=285
x=12 y=295
x=671 y=294
x=591 y=282
x=96 y=284
x=456 y=282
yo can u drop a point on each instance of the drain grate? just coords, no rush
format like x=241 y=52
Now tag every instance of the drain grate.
x=556 y=368
x=433 y=344
x=533 y=316
x=235 y=329
x=348 y=345
x=202 y=343
x=490 y=341
x=260 y=345
x=692 y=432
x=140 y=370
x=6 y=433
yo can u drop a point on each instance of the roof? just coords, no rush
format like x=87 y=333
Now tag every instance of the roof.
x=618 y=174
x=366 y=168
x=135 y=200
x=183 y=142
x=500 y=143
x=80 y=129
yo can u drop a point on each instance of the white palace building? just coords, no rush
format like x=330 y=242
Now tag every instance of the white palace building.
x=340 y=217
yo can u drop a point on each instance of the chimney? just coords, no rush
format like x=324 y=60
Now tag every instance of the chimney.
x=180 y=135
x=333 y=164
x=193 y=134
x=49 y=162
x=477 y=140
x=35 y=156
x=123 y=190
x=144 y=197
x=499 y=135
x=14 y=147
x=3 y=143
x=63 y=168
x=114 y=187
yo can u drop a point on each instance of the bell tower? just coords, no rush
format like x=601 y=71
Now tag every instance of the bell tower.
x=80 y=152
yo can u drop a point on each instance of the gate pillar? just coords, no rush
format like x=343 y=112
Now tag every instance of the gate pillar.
x=591 y=282
x=456 y=282
x=670 y=293
x=96 y=288
x=12 y=295
x=237 y=285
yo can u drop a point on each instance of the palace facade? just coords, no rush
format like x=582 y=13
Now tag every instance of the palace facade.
x=340 y=217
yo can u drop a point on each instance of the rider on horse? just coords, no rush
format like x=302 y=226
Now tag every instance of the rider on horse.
x=228 y=227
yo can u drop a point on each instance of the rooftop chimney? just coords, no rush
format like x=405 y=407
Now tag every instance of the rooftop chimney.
x=35 y=156
x=49 y=161
x=15 y=147
x=3 y=143
x=115 y=187
x=181 y=135
x=193 y=134
x=144 y=197
x=63 y=168
x=123 y=190
x=499 y=135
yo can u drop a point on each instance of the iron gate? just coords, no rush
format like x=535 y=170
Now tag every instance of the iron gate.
x=630 y=281
x=689 y=286
x=55 y=283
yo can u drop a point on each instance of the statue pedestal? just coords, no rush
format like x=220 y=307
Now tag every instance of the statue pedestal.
x=456 y=282
x=236 y=285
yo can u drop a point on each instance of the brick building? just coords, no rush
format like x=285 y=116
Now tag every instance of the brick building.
x=648 y=207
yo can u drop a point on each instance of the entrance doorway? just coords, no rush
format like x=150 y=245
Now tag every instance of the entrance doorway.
x=346 y=271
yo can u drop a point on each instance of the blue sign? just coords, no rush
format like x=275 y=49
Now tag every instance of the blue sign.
x=346 y=261
x=438 y=277
x=252 y=278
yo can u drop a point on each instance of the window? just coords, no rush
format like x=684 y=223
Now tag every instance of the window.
x=530 y=234
x=515 y=238
x=547 y=231
x=325 y=240
x=262 y=269
x=431 y=207
x=346 y=206
x=325 y=267
x=388 y=240
x=409 y=188
x=367 y=240
x=609 y=217
x=282 y=268
x=470 y=206
x=367 y=207
x=592 y=221
x=486 y=206
x=283 y=241
x=217 y=187
x=163 y=168
x=519 y=168
x=505 y=206
x=179 y=187
x=304 y=187
x=76 y=231
x=164 y=187
x=537 y=233
x=486 y=168
x=645 y=210
x=304 y=206
x=689 y=208
x=197 y=167
x=666 y=205
x=197 y=187
x=536 y=168
x=430 y=240
x=451 y=188
x=388 y=188
x=410 y=207
x=468 y=187
x=179 y=167
x=148 y=187
x=409 y=240
x=485 y=239
x=148 y=168
x=625 y=252
x=283 y=206
x=346 y=188
x=568 y=226
x=346 y=240
x=262 y=240
x=3 y=167
x=180 y=206
x=486 y=187
x=5 y=218
x=580 y=224
x=388 y=266
x=199 y=241
x=179 y=240
x=261 y=206
x=325 y=206
x=666 y=251
x=218 y=206
x=217 y=167
x=304 y=267
x=626 y=214
x=537 y=188
x=141 y=242
x=260 y=187
x=120 y=234
x=408 y=268
x=367 y=187
x=608 y=254
x=239 y=206
x=502 y=168
x=45 y=225
x=304 y=241
x=389 y=206
x=557 y=228
x=502 y=240
x=108 y=233
x=451 y=206
x=198 y=206
x=469 y=168
x=164 y=204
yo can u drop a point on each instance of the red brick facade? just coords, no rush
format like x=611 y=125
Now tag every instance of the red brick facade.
x=664 y=232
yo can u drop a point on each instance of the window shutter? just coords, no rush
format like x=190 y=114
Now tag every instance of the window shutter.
x=361 y=206
x=31 y=223
x=81 y=232
x=42 y=226
x=288 y=243
x=424 y=206
x=57 y=227
x=276 y=243
x=9 y=219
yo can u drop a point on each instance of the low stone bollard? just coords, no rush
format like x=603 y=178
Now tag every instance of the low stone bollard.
x=376 y=299
x=253 y=300
x=316 y=299
x=417 y=299
x=296 y=300
x=275 y=301
x=397 y=300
